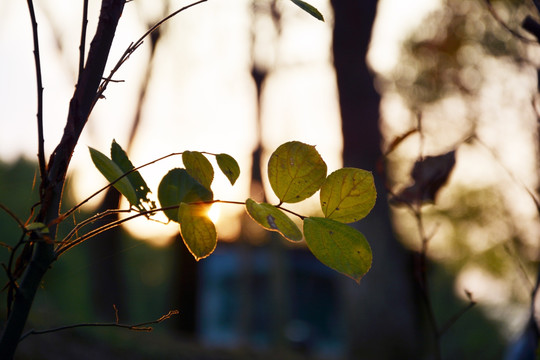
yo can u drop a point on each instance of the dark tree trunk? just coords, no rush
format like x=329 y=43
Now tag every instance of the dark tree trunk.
x=107 y=283
x=185 y=289
x=384 y=319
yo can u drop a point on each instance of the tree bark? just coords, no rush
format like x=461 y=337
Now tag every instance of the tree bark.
x=51 y=191
x=383 y=317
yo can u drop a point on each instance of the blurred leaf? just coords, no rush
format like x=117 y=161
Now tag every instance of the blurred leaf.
x=296 y=171
x=273 y=219
x=119 y=156
x=429 y=175
x=348 y=195
x=37 y=226
x=228 y=166
x=338 y=246
x=111 y=171
x=309 y=9
x=198 y=166
x=198 y=231
x=177 y=187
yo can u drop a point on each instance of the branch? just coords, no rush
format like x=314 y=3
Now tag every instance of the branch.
x=13 y=216
x=39 y=84
x=82 y=45
x=134 y=46
x=90 y=220
x=65 y=246
x=136 y=327
x=73 y=209
x=460 y=313
x=504 y=25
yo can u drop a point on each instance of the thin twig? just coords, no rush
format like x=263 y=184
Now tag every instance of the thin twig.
x=504 y=25
x=456 y=316
x=137 y=327
x=65 y=246
x=73 y=209
x=133 y=46
x=13 y=216
x=39 y=85
x=82 y=45
x=90 y=220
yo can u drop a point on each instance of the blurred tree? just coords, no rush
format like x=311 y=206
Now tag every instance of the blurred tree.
x=453 y=57
x=384 y=309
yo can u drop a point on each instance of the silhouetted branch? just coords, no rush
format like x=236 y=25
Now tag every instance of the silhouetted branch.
x=82 y=45
x=133 y=46
x=504 y=25
x=73 y=209
x=39 y=85
x=455 y=318
x=12 y=215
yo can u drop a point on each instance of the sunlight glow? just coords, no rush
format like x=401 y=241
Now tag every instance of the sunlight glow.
x=214 y=212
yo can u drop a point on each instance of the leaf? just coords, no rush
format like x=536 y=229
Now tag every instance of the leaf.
x=348 y=195
x=309 y=9
x=296 y=171
x=273 y=219
x=198 y=231
x=37 y=226
x=338 y=246
x=198 y=166
x=229 y=167
x=112 y=172
x=120 y=158
x=178 y=186
x=429 y=175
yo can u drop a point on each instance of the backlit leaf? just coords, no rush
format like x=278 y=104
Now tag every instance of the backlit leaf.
x=338 y=246
x=348 y=195
x=296 y=171
x=229 y=167
x=273 y=219
x=120 y=158
x=309 y=9
x=177 y=187
x=112 y=172
x=198 y=231
x=198 y=166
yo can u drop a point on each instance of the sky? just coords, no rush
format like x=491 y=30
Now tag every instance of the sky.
x=201 y=96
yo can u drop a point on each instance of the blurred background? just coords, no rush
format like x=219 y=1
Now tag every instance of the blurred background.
x=379 y=85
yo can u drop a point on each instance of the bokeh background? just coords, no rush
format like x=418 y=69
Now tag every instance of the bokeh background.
x=378 y=85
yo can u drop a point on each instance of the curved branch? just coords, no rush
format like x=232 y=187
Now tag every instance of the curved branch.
x=133 y=46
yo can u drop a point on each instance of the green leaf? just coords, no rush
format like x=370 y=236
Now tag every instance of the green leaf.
x=348 y=195
x=198 y=231
x=198 y=166
x=229 y=167
x=338 y=246
x=178 y=186
x=273 y=219
x=296 y=171
x=120 y=158
x=37 y=226
x=309 y=9
x=112 y=172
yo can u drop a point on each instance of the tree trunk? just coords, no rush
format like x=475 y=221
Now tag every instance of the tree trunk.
x=384 y=321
